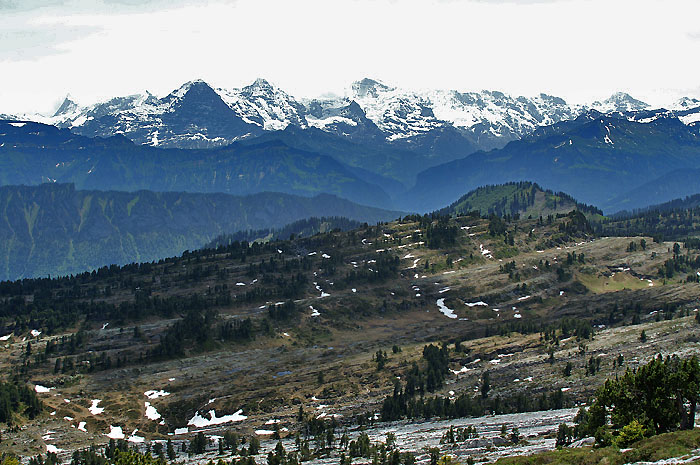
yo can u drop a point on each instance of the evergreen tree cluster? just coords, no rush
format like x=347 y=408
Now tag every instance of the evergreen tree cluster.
x=655 y=398
x=18 y=398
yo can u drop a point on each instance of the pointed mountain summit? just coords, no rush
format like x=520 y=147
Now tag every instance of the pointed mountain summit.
x=68 y=106
x=193 y=90
x=196 y=111
x=620 y=101
x=260 y=86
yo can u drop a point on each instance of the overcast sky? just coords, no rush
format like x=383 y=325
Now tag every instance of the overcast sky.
x=581 y=50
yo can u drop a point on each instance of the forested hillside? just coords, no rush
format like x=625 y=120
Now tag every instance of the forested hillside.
x=677 y=219
x=516 y=198
x=54 y=229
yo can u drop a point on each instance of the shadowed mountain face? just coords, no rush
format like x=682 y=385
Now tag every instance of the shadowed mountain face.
x=56 y=229
x=33 y=153
x=595 y=158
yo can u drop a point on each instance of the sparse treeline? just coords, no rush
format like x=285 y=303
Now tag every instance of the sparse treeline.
x=129 y=293
x=680 y=263
x=303 y=228
x=409 y=399
x=314 y=439
x=673 y=223
x=399 y=406
x=53 y=313
x=57 y=303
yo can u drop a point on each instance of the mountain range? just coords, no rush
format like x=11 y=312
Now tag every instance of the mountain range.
x=600 y=159
x=197 y=115
x=378 y=145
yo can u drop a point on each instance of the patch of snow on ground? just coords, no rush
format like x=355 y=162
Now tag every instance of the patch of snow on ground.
x=5 y=338
x=136 y=439
x=323 y=294
x=264 y=432
x=151 y=412
x=314 y=312
x=115 y=432
x=39 y=389
x=524 y=298
x=181 y=430
x=476 y=304
x=81 y=426
x=461 y=370
x=200 y=422
x=448 y=312
x=94 y=409
x=50 y=447
x=484 y=251
x=156 y=394
x=35 y=333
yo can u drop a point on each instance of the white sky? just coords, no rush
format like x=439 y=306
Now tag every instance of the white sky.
x=581 y=50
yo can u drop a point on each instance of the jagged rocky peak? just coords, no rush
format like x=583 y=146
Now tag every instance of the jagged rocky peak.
x=68 y=106
x=369 y=88
x=620 y=101
x=259 y=86
x=262 y=88
x=552 y=99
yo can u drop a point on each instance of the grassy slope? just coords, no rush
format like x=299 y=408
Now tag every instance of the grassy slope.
x=652 y=449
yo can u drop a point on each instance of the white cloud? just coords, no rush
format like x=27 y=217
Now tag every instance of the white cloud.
x=580 y=50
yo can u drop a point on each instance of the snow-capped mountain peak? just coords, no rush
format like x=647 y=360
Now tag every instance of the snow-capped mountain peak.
x=265 y=105
x=620 y=101
x=685 y=103
x=197 y=86
x=369 y=88
x=197 y=115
